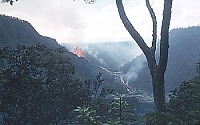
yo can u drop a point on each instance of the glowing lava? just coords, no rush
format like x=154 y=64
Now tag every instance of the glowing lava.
x=79 y=52
x=122 y=80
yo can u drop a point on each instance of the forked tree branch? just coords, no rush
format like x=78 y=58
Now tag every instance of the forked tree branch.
x=132 y=31
x=153 y=17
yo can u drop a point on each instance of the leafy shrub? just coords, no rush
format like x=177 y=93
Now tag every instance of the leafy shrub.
x=117 y=113
x=183 y=107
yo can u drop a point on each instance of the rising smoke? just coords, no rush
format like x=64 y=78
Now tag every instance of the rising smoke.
x=112 y=54
x=122 y=59
x=134 y=68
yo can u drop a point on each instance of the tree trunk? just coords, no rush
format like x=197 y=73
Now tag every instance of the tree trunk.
x=157 y=70
x=159 y=91
x=157 y=77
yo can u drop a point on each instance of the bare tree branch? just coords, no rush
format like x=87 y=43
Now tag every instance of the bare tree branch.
x=153 y=17
x=157 y=71
x=127 y=24
x=164 y=43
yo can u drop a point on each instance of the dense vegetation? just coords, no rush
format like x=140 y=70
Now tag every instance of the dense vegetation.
x=183 y=107
x=37 y=85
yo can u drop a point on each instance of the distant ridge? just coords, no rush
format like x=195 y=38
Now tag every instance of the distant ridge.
x=184 y=53
x=16 y=31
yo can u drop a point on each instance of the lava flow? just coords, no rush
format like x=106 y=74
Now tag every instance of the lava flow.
x=79 y=52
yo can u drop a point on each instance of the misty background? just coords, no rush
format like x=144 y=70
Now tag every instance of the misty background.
x=77 y=22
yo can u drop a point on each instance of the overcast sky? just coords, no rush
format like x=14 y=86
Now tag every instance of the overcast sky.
x=76 y=21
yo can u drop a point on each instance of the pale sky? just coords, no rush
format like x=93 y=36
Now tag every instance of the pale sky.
x=75 y=21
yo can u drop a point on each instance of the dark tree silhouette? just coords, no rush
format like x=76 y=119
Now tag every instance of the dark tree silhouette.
x=157 y=69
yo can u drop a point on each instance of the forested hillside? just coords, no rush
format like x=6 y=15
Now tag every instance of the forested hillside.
x=14 y=31
x=184 y=53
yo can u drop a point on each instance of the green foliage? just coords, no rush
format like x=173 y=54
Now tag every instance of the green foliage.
x=37 y=85
x=183 y=107
x=97 y=95
x=8 y=1
x=187 y=96
x=185 y=102
x=95 y=90
x=89 y=1
x=93 y=87
x=117 y=113
x=166 y=118
x=87 y=116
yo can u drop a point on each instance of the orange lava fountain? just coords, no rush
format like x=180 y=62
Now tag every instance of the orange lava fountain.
x=79 y=52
